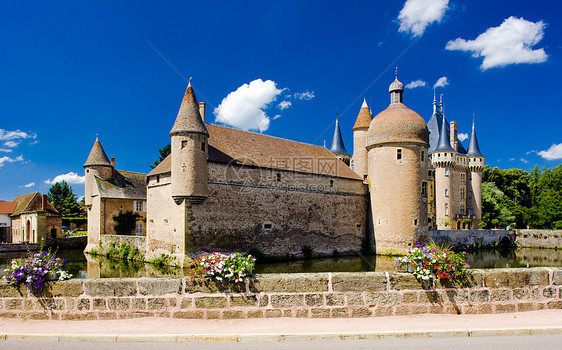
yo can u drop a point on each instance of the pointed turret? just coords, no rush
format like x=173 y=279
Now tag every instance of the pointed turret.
x=364 y=117
x=97 y=155
x=189 y=118
x=360 y=129
x=337 y=147
x=444 y=144
x=473 y=148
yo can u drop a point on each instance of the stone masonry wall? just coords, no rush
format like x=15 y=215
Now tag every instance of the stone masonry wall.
x=470 y=237
x=321 y=295
x=539 y=238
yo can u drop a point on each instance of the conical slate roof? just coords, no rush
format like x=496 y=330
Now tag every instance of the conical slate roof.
x=337 y=146
x=364 y=117
x=444 y=138
x=97 y=156
x=189 y=119
x=473 y=148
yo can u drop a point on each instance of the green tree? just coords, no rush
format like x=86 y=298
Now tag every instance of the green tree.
x=164 y=152
x=495 y=206
x=125 y=222
x=65 y=201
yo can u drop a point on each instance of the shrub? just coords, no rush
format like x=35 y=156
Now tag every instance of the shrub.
x=307 y=251
x=164 y=260
x=222 y=267
x=433 y=261
x=35 y=269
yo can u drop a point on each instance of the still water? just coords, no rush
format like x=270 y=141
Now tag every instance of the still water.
x=81 y=265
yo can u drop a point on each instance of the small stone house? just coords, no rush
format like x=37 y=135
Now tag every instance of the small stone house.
x=35 y=219
x=6 y=209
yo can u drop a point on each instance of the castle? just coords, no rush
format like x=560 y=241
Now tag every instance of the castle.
x=224 y=189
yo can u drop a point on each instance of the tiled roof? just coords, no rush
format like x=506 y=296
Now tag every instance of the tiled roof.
x=244 y=147
x=33 y=202
x=337 y=147
x=189 y=118
x=398 y=123
x=364 y=118
x=473 y=148
x=125 y=185
x=97 y=156
x=7 y=207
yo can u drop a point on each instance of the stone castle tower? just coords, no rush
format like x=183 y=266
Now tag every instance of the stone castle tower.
x=189 y=152
x=98 y=165
x=360 y=128
x=397 y=144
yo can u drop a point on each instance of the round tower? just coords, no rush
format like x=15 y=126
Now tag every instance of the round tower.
x=443 y=160
x=360 y=160
x=476 y=162
x=97 y=165
x=189 y=152
x=397 y=143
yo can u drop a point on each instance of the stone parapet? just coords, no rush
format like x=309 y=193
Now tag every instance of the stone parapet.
x=539 y=238
x=319 y=295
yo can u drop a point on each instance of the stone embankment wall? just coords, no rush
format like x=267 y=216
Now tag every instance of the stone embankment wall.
x=471 y=237
x=539 y=238
x=72 y=242
x=321 y=295
x=133 y=241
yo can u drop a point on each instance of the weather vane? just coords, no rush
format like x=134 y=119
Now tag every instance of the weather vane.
x=396 y=73
x=190 y=80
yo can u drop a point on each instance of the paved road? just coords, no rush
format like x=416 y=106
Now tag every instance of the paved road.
x=460 y=343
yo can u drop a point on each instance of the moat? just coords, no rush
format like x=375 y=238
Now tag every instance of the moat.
x=86 y=266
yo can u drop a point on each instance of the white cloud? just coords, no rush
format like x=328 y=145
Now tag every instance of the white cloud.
x=7 y=159
x=415 y=84
x=510 y=43
x=245 y=107
x=16 y=134
x=284 y=105
x=11 y=144
x=524 y=160
x=5 y=150
x=462 y=136
x=31 y=184
x=554 y=152
x=416 y=15
x=307 y=95
x=441 y=82
x=71 y=178
x=276 y=117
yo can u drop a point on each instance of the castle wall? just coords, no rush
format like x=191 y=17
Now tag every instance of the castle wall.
x=398 y=208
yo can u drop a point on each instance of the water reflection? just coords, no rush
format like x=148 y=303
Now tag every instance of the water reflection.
x=81 y=265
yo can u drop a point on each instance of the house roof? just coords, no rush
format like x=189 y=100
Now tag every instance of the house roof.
x=229 y=145
x=337 y=147
x=364 y=117
x=125 y=185
x=33 y=202
x=97 y=156
x=7 y=207
x=188 y=118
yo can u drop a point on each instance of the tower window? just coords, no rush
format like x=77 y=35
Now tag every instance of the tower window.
x=278 y=177
x=183 y=144
x=415 y=222
x=462 y=192
x=446 y=172
x=331 y=183
x=422 y=156
x=424 y=189
x=446 y=192
x=203 y=146
x=446 y=208
x=399 y=154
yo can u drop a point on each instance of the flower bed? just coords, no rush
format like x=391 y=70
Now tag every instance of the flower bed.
x=222 y=267
x=36 y=269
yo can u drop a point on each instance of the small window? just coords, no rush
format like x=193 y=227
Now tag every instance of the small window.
x=331 y=183
x=446 y=171
x=446 y=192
x=158 y=178
x=429 y=173
x=415 y=222
x=422 y=156
x=139 y=229
x=399 y=154
x=267 y=226
x=138 y=206
x=424 y=189
x=446 y=208
x=183 y=144
x=462 y=193
x=203 y=146
x=278 y=177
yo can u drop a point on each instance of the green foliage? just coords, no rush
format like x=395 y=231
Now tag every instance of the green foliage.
x=307 y=251
x=125 y=222
x=65 y=201
x=222 y=267
x=123 y=252
x=336 y=253
x=164 y=260
x=164 y=152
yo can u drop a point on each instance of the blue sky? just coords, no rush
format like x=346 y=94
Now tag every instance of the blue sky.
x=70 y=70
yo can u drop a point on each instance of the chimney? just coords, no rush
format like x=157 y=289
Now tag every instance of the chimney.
x=453 y=136
x=44 y=201
x=112 y=166
x=202 y=110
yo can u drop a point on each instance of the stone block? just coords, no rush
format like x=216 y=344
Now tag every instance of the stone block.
x=287 y=300
x=355 y=299
x=314 y=299
x=550 y=292
x=69 y=288
x=254 y=314
x=410 y=297
x=479 y=296
x=458 y=296
x=36 y=316
x=521 y=294
x=83 y=304
x=233 y=314
x=320 y=313
x=29 y=304
x=302 y=313
x=79 y=316
x=263 y=300
x=137 y=314
x=536 y=293
x=500 y=295
x=358 y=282
x=361 y=312
x=189 y=314
x=289 y=283
x=405 y=281
x=401 y=310
x=453 y=310
x=335 y=299
x=8 y=314
x=8 y=290
x=13 y=304
x=429 y=297
x=436 y=309
x=51 y=303
x=273 y=313
x=159 y=286
x=340 y=312
x=114 y=287
x=104 y=315
x=99 y=304
x=486 y=309
x=383 y=298
x=556 y=276
x=504 y=308
x=205 y=285
x=243 y=301
x=498 y=278
x=212 y=315
x=210 y=302
x=531 y=306
x=380 y=311
x=470 y=309
x=172 y=301
x=186 y=303
x=554 y=305
x=287 y=313
x=139 y=304
x=156 y=303
x=419 y=309
x=119 y=303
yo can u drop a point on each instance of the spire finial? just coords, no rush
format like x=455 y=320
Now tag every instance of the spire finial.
x=189 y=84
x=434 y=100
x=96 y=136
x=441 y=100
x=396 y=73
x=324 y=143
